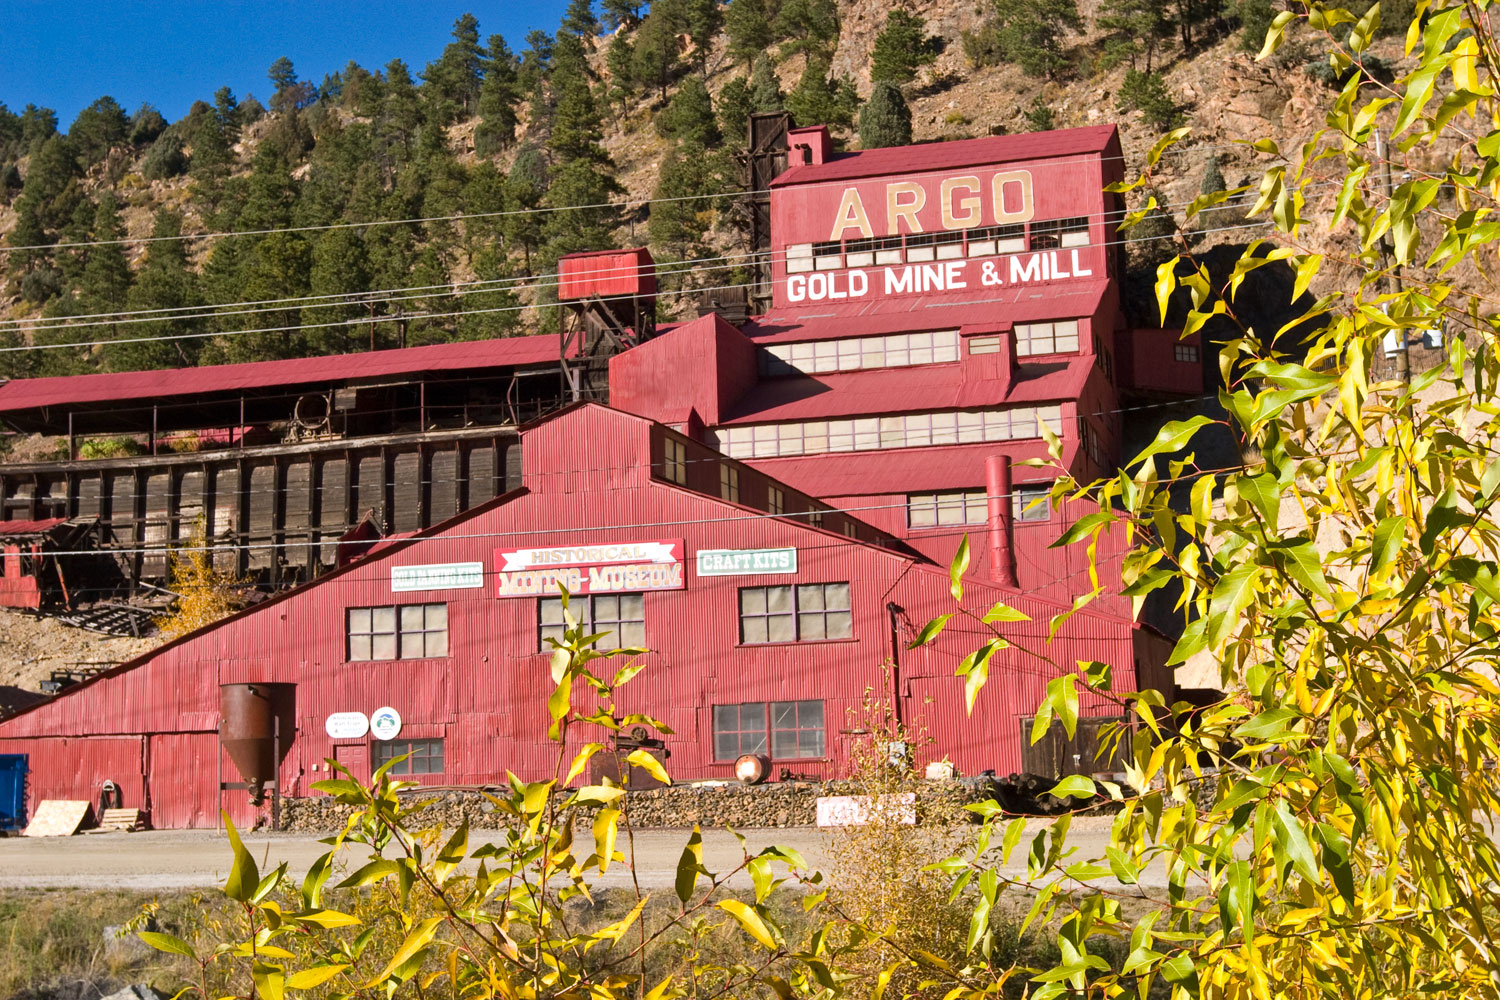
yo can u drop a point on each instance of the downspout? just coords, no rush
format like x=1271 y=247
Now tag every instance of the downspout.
x=1002 y=547
x=894 y=611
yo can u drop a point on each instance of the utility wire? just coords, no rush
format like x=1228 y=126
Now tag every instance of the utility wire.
x=363 y=321
x=548 y=209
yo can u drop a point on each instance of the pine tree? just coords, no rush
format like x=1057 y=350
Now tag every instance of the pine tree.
x=536 y=61
x=106 y=279
x=734 y=111
x=75 y=236
x=525 y=187
x=765 y=89
x=580 y=20
x=98 y=128
x=621 y=14
x=1147 y=93
x=620 y=59
x=885 y=120
x=683 y=214
x=808 y=26
x=497 y=100
x=1027 y=33
x=902 y=47
x=227 y=111
x=1255 y=17
x=1134 y=29
x=701 y=21
x=1039 y=116
x=1213 y=177
x=456 y=77
x=339 y=266
x=166 y=281
x=689 y=117
x=584 y=177
x=146 y=125
x=749 y=28
x=400 y=117
x=657 y=60
x=818 y=99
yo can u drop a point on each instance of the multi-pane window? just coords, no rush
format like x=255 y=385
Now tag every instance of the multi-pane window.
x=888 y=250
x=799 y=258
x=729 y=483
x=933 y=510
x=950 y=244
x=1185 y=352
x=828 y=256
x=802 y=613
x=788 y=729
x=912 y=430
x=815 y=518
x=1056 y=233
x=403 y=632
x=775 y=500
x=422 y=756
x=1060 y=337
x=984 y=345
x=1028 y=502
x=623 y=616
x=921 y=247
x=996 y=240
x=860 y=253
x=852 y=353
x=674 y=461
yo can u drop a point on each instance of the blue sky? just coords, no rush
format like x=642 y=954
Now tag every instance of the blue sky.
x=63 y=54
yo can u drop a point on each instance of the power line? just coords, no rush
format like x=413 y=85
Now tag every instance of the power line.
x=381 y=296
x=363 y=321
x=547 y=209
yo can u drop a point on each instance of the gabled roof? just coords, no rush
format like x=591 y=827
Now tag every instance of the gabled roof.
x=937 y=156
x=987 y=307
x=35 y=393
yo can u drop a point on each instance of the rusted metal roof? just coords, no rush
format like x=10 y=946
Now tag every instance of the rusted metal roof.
x=907 y=390
x=16 y=529
x=34 y=393
x=988 y=306
x=950 y=155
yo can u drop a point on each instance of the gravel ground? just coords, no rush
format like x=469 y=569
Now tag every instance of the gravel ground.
x=178 y=859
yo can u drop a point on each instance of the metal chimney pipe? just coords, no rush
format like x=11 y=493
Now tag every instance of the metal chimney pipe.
x=1002 y=542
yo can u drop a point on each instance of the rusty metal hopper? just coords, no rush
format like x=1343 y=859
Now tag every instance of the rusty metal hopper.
x=248 y=732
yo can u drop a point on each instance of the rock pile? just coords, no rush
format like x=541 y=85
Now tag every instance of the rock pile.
x=778 y=804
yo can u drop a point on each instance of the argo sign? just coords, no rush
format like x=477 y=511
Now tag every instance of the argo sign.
x=1004 y=197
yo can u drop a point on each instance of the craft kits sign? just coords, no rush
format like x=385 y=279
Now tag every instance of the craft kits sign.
x=438 y=576
x=607 y=568
x=746 y=562
x=347 y=725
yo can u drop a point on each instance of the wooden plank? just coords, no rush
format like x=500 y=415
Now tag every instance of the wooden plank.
x=57 y=818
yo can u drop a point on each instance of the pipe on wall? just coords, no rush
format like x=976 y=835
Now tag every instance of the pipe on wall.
x=1002 y=541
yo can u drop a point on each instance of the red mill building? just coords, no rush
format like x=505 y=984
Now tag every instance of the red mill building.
x=769 y=508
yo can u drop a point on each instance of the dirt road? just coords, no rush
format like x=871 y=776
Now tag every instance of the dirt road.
x=183 y=859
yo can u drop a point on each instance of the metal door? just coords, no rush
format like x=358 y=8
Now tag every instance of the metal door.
x=12 y=791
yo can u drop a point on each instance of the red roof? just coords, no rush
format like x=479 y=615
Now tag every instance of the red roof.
x=12 y=529
x=33 y=393
x=907 y=390
x=950 y=155
x=990 y=306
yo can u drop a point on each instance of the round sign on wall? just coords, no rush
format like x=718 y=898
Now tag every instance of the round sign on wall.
x=385 y=723
x=347 y=725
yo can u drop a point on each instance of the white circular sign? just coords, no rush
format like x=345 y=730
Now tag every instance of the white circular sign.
x=385 y=723
x=347 y=725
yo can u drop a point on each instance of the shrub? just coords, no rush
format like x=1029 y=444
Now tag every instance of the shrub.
x=165 y=158
x=1146 y=93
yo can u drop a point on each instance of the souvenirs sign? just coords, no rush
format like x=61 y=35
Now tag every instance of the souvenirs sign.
x=606 y=568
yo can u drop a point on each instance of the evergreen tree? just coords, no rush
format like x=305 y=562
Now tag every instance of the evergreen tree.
x=656 y=56
x=902 y=47
x=497 y=100
x=701 y=21
x=106 y=279
x=98 y=128
x=339 y=266
x=227 y=111
x=734 y=111
x=289 y=93
x=820 y=100
x=885 y=120
x=211 y=155
x=1213 y=177
x=492 y=310
x=525 y=187
x=765 y=88
x=689 y=117
x=579 y=20
x=684 y=212
x=1255 y=17
x=457 y=76
x=400 y=116
x=1028 y=34
x=1039 y=116
x=621 y=14
x=166 y=281
x=75 y=236
x=536 y=61
x=37 y=126
x=808 y=26
x=1147 y=93
x=749 y=28
x=277 y=266
x=1134 y=30
x=146 y=125
x=584 y=177
x=165 y=158
x=621 y=62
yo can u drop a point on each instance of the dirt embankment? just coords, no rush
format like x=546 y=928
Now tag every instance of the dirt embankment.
x=31 y=648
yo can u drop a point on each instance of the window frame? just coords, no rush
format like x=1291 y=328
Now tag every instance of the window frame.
x=382 y=751
x=800 y=611
x=770 y=713
x=972 y=505
x=398 y=633
x=1180 y=350
x=729 y=482
x=590 y=620
x=1023 y=495
x=674 y=461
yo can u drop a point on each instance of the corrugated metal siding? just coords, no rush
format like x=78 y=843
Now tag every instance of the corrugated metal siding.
x=489 y=695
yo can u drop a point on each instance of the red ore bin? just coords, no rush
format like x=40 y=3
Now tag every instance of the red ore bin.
x=607 y=274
